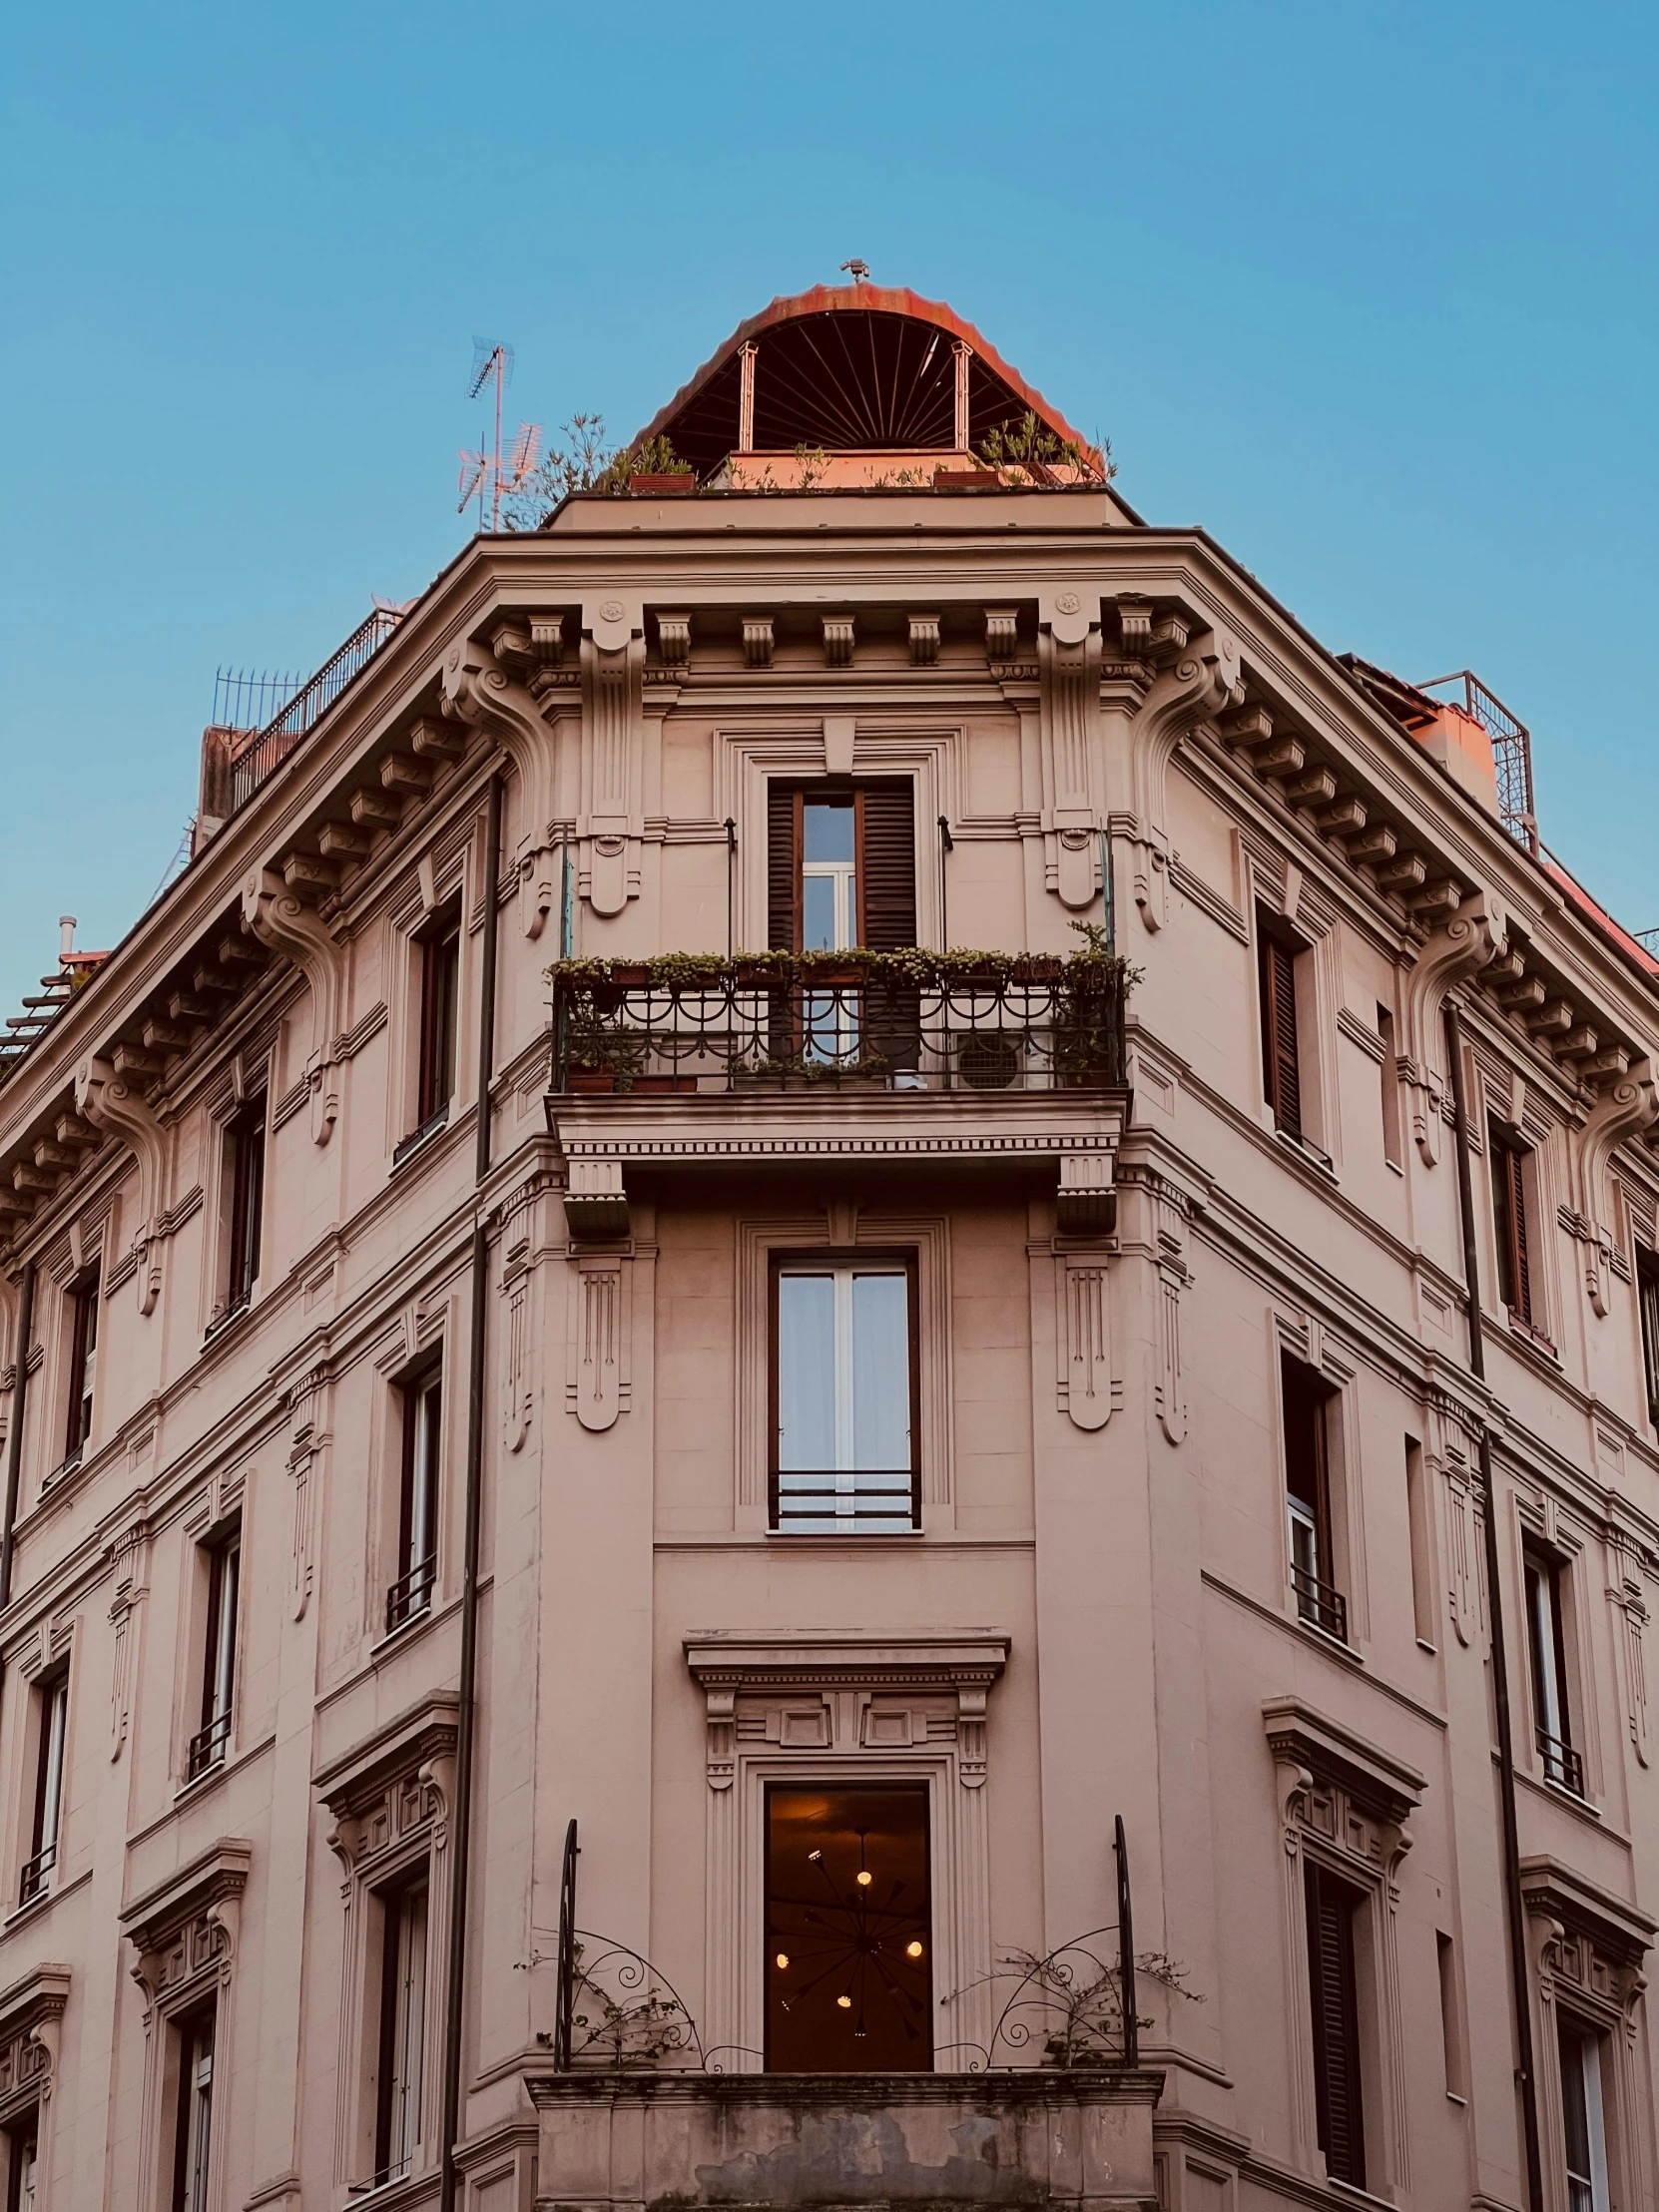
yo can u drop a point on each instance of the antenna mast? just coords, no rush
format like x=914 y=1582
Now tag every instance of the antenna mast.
x=493 y=363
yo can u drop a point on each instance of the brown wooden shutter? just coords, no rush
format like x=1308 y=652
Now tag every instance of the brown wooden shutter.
x=1333 y=2004
x=1280 y=1069
x=1647 y=1277
x=783 y=868
x=888 y=864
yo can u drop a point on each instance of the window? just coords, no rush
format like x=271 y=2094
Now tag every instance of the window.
x=1307 y=1396
x=1423 y=1607
x=841 y=866
x=1515 y=1265
x=245 y=1164
x=193 y=2116
x=1647 y=1298
x=1547 y=1654
x=1333 y=1994
x=1392 y=1146
x=84 y=1302
x=849 y=1930
x=440 y=970
x=1276 y=959
x=22 y=2162
x=1583 y=2123
x=208 y=1744
x=52 y=1723
x=417 y=1505
x=844 y=1456
x=402 y=2033
x=1451 y=2041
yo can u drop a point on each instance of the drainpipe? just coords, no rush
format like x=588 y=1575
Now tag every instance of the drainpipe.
x=462 y=1823
x=14 y=1442
x=1515 y=1913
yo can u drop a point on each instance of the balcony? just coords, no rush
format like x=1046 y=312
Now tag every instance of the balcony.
x=1561 y=1763
x=782 y=1058
x=1033 y=2136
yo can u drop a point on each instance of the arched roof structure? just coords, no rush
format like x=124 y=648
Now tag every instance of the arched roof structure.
x=850 y=369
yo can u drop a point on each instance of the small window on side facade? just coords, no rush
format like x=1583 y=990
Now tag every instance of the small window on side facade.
x=402 y=2032
x=1333 y=1992
x=52 y=1726
x=1583 y=2116
x=421 y=1407
x=219 y=1662
x=1306 y=1413
x=193 y=2112
x=245 y=1164
x=845 y=1458
x=1276 y=961
x=440 y=974
x=1647 y=1295
x=1514 y=1253
x=1548 y=1658
x=84 y=1304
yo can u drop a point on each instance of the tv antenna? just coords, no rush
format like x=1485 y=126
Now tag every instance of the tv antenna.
x=485 y=471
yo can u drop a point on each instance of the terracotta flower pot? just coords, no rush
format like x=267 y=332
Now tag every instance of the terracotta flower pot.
x=657 y=487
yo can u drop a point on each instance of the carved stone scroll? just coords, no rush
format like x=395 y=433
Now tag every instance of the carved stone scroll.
x=110 y=1102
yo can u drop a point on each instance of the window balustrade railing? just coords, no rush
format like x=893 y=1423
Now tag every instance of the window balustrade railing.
x=32 y=1881
x=265 y=753
x=207 y=1746
x=692 y=1024
x=1320 y=1604
x=1561 y=1763
x=411 y=1593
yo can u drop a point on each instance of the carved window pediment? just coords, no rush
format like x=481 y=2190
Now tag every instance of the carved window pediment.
x=1336 y=1784
x=394 y=1785
x=1590 y=1942
x=30 y=2012
x=184 y=1930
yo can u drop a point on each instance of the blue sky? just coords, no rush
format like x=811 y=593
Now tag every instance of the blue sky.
x=1366 y=289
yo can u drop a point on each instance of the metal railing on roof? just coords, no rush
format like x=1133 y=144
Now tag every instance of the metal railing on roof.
x=265 y=754
x=1511 y=753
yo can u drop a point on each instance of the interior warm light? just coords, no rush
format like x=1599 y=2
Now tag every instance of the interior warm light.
x=912 y=1951
x=813 y=1857
x=845 y=2003
x=864 y=1879
x=782 y=1960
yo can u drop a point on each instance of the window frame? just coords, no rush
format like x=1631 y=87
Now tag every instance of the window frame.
x=412 y=1594
x=393 y=2023
x=1351 y=1901
x=22 y=2135
x=1546 y=1584
x=50 y=1693
x=1323 y=1606
x=246 y=1149
x=1647 y=1311
x=1594 y=2092
x=437 y=946
x=190 y=2181
x=1278 y=956
x=856 y=1259
x=84 y=1298
x=1512 y=1212
x=208 y=1747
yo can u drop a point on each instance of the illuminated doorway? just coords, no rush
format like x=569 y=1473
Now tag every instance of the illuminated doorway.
x=850 y=1977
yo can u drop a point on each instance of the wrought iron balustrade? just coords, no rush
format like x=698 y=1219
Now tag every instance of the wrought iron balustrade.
x=267 y=752
x=411 y=1593
x=207 y=1746
x=689 y=1026
x=32 y=1881
x=1561 y=1763
x=1320 y=1604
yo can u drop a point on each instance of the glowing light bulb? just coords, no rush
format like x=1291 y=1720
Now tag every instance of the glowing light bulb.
x=864 y=1879
x=783 y=1960
x=813 y=1857
x=912 y=1950
x=845 y=2003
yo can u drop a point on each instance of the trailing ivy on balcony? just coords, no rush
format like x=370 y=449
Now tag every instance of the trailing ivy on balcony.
x=690 y=1023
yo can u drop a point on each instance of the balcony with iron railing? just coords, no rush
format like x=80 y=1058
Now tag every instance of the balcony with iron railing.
x=411 y=1594
x=890 y=1056
x=1320 y=1604
x=1561 y=1763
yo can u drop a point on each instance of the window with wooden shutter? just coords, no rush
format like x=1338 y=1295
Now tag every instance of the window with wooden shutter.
x=1515 y=1262
x=1333 y=1989
x=888 y=864
x=1281 y=1065
x=1647 y=1293
x=883 y=847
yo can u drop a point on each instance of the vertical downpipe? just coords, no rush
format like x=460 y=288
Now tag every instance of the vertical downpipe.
x=1516 y=1910
x=947 y=843
x=14 y=1442
x=462 y=1825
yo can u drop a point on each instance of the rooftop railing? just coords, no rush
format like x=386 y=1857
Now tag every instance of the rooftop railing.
x=1511 y=753
x=265 y=752
x=689 y=1024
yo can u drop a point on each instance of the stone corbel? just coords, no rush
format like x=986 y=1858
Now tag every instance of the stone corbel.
x=493 y=690
x=113 y=1104
x=1068 y=658
x=1469 y=941
x=1628 y=1107
x=1203 y=679
x=279 y=918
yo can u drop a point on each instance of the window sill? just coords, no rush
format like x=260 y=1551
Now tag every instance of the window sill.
x=1360 y=2196
x=1529 y=1334
x=43 y=1902
x=1306 y=1149
x=1325 y=1641
x=844 y=1535
x=62 y=1470
x=203 y=1784
x=405 y=1632
x=418 y=1139
x=221 y=1322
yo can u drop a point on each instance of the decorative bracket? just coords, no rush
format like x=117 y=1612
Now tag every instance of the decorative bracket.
x=1470 y=941
x=110 y=1102
x=278 y=917
x=1202 y=681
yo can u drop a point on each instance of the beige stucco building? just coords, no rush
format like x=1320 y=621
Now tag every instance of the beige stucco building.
x=842 y=1424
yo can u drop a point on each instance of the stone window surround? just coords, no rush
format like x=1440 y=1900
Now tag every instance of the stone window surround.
x=1587 y=1951
x=391 y=1798
x=843 y=1226
x=184 y=1934
x=872 y=744
x=446 y=872
x=845 y=1708
x=31 y=2020
x=1345 y=1803
x=1303 y=1338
